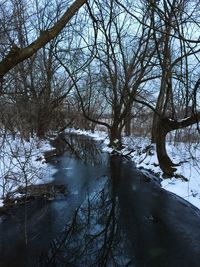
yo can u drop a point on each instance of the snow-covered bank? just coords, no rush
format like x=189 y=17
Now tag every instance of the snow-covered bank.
x=143 y=154
x=97 y=135
x=22 y=163
x=188 y=155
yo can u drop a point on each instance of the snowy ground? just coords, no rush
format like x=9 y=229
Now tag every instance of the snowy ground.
x=186 y=153
x=22 y=162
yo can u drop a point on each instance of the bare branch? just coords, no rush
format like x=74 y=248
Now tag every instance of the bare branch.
x=17 y=55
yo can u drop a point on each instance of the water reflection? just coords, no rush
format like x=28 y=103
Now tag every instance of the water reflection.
x=94 y=237
x=112 y=216
x=82 y=148
x=46 y=218
x=128 y=220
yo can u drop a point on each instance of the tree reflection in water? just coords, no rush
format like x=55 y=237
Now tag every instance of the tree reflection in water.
x=82 y=147
x=94 y=236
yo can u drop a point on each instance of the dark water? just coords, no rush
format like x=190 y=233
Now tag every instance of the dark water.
x=113 y=216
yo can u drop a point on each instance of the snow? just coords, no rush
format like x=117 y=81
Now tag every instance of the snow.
x=97 y=135
x=108 y=149
x=187 y=154
x=21 y=162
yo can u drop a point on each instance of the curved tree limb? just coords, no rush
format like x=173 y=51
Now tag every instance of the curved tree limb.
x=174 y=125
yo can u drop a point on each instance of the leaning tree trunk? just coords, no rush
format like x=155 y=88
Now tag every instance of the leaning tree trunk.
x=165 y=125
x=165 y=162
x=17 y=55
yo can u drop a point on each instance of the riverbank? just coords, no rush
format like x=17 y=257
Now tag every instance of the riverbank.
x=102 y=199
x=23 y=164
x=186 y=181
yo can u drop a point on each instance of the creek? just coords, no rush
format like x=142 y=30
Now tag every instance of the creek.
x=113 y=215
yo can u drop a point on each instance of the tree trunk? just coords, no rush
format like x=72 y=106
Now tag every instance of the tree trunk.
x=41 y=131
x=154 y=129
x=165 y=162
x=115 y=136
x=128 y=124
x=42 y=125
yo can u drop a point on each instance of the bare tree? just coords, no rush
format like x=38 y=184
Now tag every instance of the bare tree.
x=178 y=61
x=122 y=61
x=36 y=88
x=18 y=54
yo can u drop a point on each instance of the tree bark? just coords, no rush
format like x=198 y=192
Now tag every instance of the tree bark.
x=164 y=160
x=115 y=136
x=128 y=124
x=165 y=126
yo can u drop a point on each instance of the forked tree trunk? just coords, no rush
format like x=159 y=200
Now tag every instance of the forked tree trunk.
x=115 y=136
